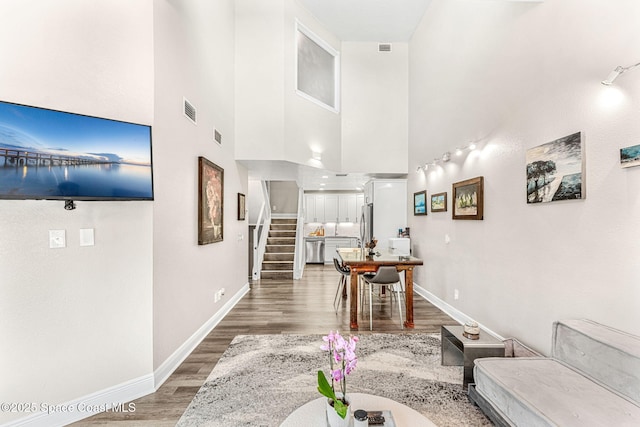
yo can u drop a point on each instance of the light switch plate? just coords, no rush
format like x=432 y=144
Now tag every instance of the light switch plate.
x=57 y=239
x=86 y=237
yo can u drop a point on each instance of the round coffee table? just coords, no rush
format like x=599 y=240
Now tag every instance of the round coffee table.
x=313 y=414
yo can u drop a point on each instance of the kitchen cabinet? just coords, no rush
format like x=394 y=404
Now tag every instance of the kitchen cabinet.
x=331 y=208
x=314 y=208
x=347 y=211
x=389 y=199
x=333 y=243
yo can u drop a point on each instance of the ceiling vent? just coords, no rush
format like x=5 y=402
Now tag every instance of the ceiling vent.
x=341 y=174
x=384 y=47
x=189 y=111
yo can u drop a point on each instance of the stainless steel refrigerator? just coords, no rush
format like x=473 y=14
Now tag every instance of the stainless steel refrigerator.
x=366 y=224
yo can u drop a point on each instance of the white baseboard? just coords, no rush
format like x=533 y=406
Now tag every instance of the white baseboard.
x=451 y=311
x=171 y=364
x=116 y=399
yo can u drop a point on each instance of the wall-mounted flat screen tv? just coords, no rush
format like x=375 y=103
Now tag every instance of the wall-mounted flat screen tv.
x=48 y=154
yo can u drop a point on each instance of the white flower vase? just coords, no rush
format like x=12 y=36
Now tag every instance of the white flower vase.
x=333 y=419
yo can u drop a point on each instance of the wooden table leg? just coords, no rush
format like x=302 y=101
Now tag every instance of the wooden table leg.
x=354 y=299
x=408 y=292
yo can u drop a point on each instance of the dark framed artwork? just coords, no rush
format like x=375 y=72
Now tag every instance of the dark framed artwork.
x=420 y=203
x=555 y=170
x=439 y=202
x=630 y=156
x=468 y=199
x=241 y=207
x=210 y=202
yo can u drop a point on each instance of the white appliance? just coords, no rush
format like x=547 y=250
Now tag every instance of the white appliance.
x=400 y=246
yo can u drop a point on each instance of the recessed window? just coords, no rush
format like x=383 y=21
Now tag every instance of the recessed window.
x=317 y=73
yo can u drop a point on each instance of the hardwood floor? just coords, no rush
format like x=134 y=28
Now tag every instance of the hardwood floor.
x=271 y=307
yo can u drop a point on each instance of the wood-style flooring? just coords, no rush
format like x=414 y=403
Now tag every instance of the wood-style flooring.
x=271 y=307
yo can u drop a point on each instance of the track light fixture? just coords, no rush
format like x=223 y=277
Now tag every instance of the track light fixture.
x=446 y=156
x=616 y=72
x=471 y=146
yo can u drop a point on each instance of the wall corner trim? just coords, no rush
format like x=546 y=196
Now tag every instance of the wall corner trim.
x=171 y=364
x=92 y=404
x=457 y=315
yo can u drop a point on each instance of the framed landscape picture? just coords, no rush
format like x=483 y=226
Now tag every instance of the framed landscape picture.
x=630 y=156
x=439 y=202
x=210 y=202
x=241 y=207
x=468 y=199
x=555 y=170
x=420 y=203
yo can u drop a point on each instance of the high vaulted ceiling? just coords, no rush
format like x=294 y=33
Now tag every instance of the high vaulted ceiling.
x=369 y=20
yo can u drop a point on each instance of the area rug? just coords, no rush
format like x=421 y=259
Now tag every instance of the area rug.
x=261 y=379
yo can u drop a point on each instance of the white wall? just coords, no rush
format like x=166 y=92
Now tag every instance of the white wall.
x=76 y=320
x=194 y=58
x=375 y=88
x=512 y=76
x=259 y=79
x=308 y=126
x=272 y=121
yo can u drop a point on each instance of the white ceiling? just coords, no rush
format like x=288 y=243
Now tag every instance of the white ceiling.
x=369 y=20
x=308 y=177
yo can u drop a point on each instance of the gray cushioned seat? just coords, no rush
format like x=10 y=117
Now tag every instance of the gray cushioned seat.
x=536 y=391
x=591 y=379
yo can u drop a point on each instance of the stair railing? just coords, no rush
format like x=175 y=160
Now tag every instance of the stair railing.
x=299 y=255
x=261 y=232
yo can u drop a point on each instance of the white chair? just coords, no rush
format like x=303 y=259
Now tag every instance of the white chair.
x=385 y=276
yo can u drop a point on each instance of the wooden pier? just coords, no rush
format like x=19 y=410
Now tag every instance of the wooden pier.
x=13 y=157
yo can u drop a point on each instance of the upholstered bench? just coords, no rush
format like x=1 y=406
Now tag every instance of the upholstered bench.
x=591 y=379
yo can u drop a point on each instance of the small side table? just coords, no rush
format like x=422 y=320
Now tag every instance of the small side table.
x=457 y=350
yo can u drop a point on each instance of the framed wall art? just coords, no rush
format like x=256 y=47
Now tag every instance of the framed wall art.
x=420 y=203
x=555 y=170
x=630 y=156
x=439 y=202
x=241 y=207
x=210 y=202
x=468 y=199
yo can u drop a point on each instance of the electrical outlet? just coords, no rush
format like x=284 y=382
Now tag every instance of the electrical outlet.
x=456 y=294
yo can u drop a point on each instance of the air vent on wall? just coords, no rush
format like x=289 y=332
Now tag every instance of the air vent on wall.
x=217 y=136
x=189 y=111
x=384 y=47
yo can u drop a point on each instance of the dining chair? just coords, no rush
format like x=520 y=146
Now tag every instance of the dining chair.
x=385 y=276
x=344 y=275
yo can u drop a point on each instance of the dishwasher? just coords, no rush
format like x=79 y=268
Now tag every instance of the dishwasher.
x=314 y=250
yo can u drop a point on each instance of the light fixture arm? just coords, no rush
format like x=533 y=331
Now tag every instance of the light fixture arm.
x=615 y=73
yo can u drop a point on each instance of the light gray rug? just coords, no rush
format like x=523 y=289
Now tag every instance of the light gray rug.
x=261 y=379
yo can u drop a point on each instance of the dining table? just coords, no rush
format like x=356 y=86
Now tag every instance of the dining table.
x=360 y=261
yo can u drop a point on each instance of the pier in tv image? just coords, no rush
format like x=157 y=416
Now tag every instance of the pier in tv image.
x=48 y=154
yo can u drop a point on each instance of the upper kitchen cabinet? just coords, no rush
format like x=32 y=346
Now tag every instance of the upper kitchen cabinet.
x=347 y=208
x=343 y=207
x=331 y=208
x=314 y=208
